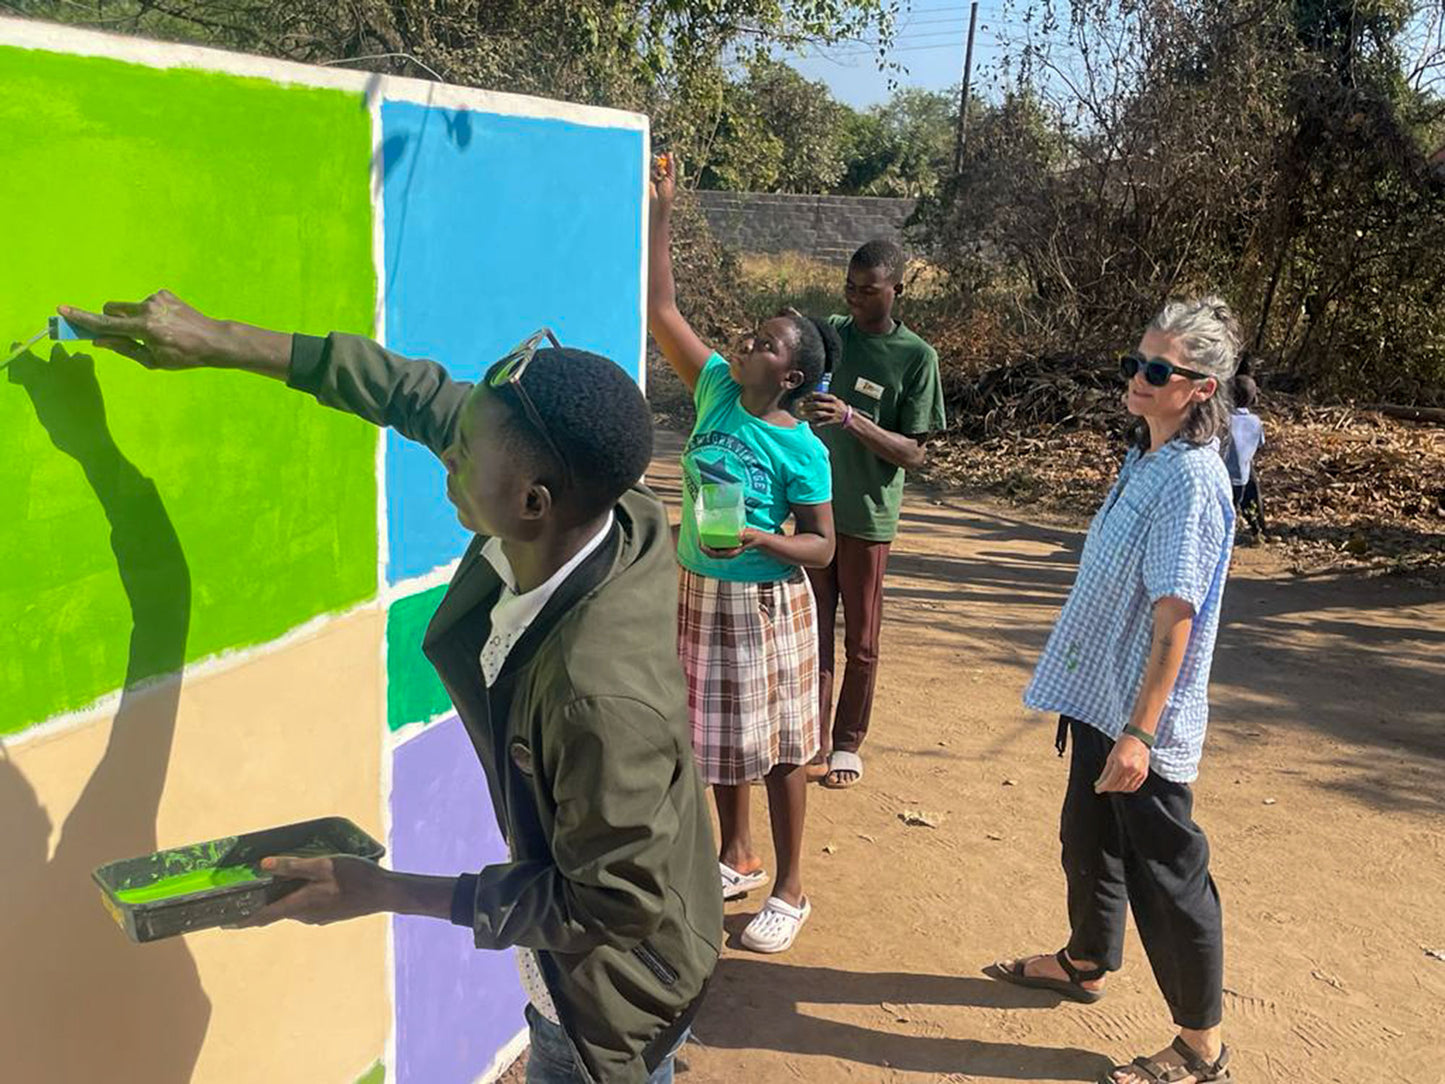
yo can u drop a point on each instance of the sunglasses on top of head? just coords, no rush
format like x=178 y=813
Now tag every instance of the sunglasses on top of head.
x=1157 y=371
x=507 y=373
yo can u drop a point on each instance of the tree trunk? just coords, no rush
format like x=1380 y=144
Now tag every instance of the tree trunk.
x=1429 y=415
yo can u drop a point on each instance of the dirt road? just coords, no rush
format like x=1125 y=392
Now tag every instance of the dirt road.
x=1323 y=792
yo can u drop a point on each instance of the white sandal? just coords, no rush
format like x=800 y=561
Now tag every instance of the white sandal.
x=776 y=926
x=736 y=885
x=841 y=761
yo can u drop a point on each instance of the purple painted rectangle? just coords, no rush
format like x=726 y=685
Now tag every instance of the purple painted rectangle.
x=456 y=1005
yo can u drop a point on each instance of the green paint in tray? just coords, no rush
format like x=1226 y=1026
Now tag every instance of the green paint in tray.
x=187 y=884
x=219 y=882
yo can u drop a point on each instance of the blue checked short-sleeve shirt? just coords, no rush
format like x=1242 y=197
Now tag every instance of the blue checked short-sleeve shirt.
x=1165 y=530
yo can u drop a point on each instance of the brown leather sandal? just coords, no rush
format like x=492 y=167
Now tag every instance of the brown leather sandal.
x=1203 y=1072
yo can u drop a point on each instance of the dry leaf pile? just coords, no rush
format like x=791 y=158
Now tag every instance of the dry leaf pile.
x=1342 y=486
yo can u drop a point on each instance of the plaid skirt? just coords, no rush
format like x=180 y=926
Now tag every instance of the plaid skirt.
x=750 y=654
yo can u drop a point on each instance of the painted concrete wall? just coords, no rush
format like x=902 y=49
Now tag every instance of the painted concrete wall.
x=278 y=738
x=213 y=591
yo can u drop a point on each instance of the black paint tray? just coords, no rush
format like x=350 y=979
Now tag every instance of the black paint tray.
x=155 y=919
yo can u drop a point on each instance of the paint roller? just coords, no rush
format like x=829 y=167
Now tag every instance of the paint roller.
x=58 y=329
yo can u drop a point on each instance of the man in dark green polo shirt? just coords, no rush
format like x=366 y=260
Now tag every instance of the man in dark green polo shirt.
x=884 y=401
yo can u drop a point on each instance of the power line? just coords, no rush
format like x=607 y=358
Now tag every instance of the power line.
x=920 y=49
x=960 y=20
x=963 y=10
x=961 y=27
x=909 y=39
x=905 y=49
x=906 y=36
x=951 y=34
x=954 y=44
x=990 y=17
x=957 y=20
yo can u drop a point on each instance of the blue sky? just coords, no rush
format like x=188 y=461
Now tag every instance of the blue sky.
x=928 y=45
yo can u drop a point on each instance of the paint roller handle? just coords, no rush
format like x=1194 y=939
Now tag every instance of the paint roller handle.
x=163 y=332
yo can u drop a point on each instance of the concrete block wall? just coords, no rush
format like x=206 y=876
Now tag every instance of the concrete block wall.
x=827 y=228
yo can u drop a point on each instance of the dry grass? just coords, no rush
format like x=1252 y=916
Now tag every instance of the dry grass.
x=1341 y=488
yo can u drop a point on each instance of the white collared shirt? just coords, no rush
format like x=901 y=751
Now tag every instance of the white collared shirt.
x=512 y=616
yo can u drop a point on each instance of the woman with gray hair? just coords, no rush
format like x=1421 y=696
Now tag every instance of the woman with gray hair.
x=1127 y=670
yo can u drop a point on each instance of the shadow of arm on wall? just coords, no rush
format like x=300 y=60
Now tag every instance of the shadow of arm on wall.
x=153 y=572
x=85 y=1000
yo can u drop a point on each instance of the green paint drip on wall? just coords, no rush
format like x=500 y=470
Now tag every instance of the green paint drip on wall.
x=251 y=201
x=414 y=693
x=375 y=1075
x=186 y=884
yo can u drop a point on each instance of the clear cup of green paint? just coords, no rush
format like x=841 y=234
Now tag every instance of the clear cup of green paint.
x=721 y=515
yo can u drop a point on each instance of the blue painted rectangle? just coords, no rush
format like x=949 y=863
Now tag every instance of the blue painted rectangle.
x=496 y=226
x=456 y=1005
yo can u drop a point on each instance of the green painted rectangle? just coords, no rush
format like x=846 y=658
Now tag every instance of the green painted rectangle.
x=250 y=200
x=414 y=693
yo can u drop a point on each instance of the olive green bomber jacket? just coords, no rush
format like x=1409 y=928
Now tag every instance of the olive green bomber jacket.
x=585 y=744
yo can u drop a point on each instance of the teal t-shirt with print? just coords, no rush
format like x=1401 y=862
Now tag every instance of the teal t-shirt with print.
x=776 y=467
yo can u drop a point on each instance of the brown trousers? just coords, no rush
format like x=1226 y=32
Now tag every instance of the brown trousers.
x=856 y=578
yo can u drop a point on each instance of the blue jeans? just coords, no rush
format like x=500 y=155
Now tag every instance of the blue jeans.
x=551 y=1060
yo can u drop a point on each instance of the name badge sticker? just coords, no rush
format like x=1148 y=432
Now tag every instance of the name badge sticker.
x=868 y=388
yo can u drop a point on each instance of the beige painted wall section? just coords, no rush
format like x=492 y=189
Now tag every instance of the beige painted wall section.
x=285 y=736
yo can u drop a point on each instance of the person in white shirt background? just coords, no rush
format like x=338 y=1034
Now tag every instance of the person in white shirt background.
x=1246 y=437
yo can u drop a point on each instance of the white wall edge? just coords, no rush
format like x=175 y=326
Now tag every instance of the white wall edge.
x=389 y=1049
x=403 y=734
x=395 y=592
x=645 y=228
x=60 y=38
x=377 y=191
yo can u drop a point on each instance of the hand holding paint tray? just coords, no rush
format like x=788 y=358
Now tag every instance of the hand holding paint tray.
x=58 y=329
x=218 y=883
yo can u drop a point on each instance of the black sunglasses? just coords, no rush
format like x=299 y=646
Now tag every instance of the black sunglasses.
x=1157 y=371
x=507 y=372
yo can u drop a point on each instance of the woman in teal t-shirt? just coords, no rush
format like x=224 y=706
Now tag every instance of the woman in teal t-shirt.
x=747 y=624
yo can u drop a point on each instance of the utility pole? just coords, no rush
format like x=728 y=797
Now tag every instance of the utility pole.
x=963 y=96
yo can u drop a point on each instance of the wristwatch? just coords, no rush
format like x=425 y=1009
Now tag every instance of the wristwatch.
x=1143 y=735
